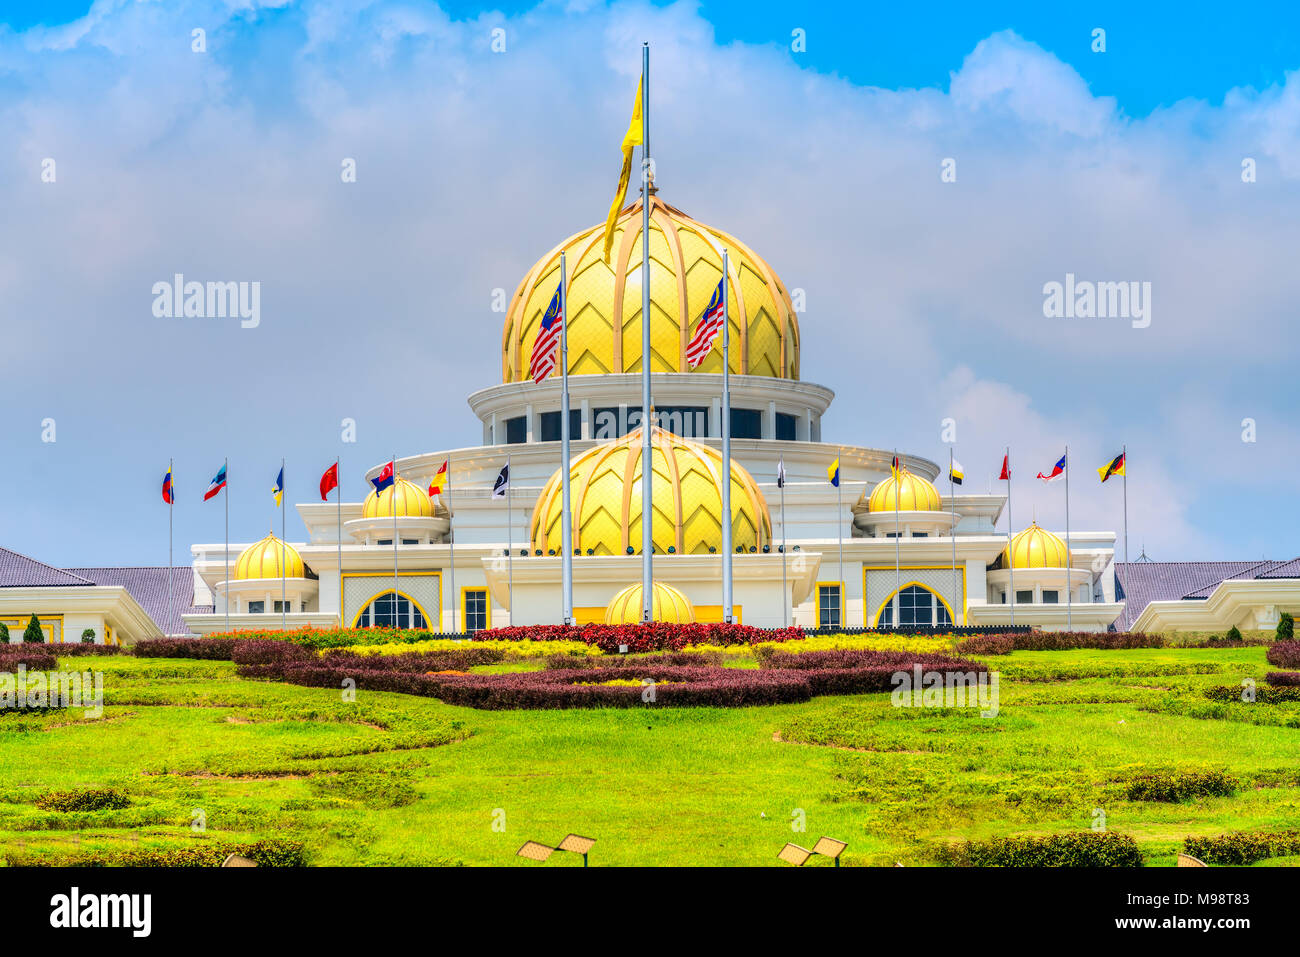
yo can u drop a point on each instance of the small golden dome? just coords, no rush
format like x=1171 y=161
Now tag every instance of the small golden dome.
x=411 y=501
x=915 y=494
x=604 y=301
x=668 y=604
x=605 y=488
x=1035 y=547
x=262 y=560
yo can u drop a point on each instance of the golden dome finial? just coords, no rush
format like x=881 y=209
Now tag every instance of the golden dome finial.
x=914 y=494
x=262 y=560
x=1035 y=547
x=666 y=604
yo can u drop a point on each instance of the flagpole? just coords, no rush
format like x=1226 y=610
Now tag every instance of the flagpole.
x=1069 y=583
x=510 y=543
x=338 y=504
x=726 y=446
x=839 y=536
x=283 y=556
x=647 y=510
x=451 y=561
x=392 y=500
x=1011 y=561
x=952 y=504
x=171 y=585
x=785 y=595
x=898 y=575
x=226 y=490
x=566 y=519
x=1124 y=452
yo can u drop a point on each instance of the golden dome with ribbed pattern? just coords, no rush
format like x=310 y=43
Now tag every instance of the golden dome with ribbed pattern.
x=1035 y=547
x=605 y=490
x=411 y=501
x=915 y=494
x=667 y=604
x=604 y=301
x=262 y=560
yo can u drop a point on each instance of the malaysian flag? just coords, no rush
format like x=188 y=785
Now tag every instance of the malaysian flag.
x=548 y=341
x=697 y=350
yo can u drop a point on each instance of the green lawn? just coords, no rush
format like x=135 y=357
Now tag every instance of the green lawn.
x=392 y=779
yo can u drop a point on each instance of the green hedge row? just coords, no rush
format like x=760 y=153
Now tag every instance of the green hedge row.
x=1173 y=786
x=1074 y=849
x=1239 y=848
x=273 y=852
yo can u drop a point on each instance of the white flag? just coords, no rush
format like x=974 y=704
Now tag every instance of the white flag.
x=502 y=482
x=780 y=472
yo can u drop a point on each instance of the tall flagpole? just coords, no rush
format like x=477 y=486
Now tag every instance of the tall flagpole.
x=226 y=468
x=451 y=546
x=566 y=519
x=647 y=505
x=1125 y=453
x=1011 y=559
x=171 y=586
x=1069 y=583
x=338 y=506
x=726 y=445
x=392 y=500
x=952 y=504
x=898 y=574
x=839 y=537
x=510 y=542
x=283 y=555
x=785 y=595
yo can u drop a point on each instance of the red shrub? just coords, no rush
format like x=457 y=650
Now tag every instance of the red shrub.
x=211 y=649
x=655 y=636
x=1283 y=679
x=1284 y=654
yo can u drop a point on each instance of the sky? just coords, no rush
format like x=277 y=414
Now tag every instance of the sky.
x=922 y=175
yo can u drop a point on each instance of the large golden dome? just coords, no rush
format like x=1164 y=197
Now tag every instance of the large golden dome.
x=605 y=488
x=262 y=560
x=666 y=604
x=604 y=301
x=915 y=494
x=1035 y=547
x=410 y=498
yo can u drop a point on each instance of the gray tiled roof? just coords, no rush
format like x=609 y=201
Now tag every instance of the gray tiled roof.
x=149 y=587
x=1140 y=583
x=19 y=571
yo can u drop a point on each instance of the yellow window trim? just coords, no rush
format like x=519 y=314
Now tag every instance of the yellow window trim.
x=920 y=568
x=881 y=610
x=464 y=615
x=818 y=609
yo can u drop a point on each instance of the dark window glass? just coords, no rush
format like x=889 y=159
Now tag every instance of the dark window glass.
x=746 y=424
x=256 y=607
x=1051 y=597
x=828 y=606
x=786 y=425
x=551 y=425
x=283 y=606
x=476 y=609
x=1024 y=597
x=516 y=430
x=916 y=606
x=382 y=612
x=410 y=541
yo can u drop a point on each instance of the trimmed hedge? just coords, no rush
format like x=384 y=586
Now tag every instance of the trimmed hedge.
x=654 y=636
x=209 y=649
x=1074 y=849
x=1074 y=640
x=33 y=657
x=273 y=852
x=86 y=651
x=987 y=645
x=83 y=799
x=1264 y=694
x=1242 y=848
x=1284 y=654
x=1283 y=679
x=1174 y=785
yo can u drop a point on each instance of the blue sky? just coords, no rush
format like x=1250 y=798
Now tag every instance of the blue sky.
x=925 y=298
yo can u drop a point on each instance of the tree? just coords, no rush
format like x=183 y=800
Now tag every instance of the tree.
x=88 y=636
x=1234 y=634
x=32 y=634
x=4 y=633
x=1286 y=627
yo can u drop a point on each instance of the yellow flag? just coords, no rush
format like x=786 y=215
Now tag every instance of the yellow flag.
x=630 y=140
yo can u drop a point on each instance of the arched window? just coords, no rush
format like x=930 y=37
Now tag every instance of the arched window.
x=917 y=605
x=381 y=613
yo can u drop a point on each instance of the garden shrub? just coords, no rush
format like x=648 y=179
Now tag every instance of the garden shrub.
x=1174 y=785
x=1072 y=849
x=272 y=852
x=460 y=659
x=261 y=651
x=1283 y=679
x=88 y=636
x=34 y=659
x=1286 y=627
x=32 y=634
x=1073 y=640
x=643 y=637
x=1243 y=848
x=1275 y=692
x=987 y=645
x=4 y=633
x=83 y=799
x=1284 y=654
x=384 y=790
x=209 y=649
x=1234 y=634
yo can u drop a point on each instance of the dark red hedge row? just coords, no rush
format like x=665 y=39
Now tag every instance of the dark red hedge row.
x=1074 y=640
x=1283 y=679
x=33 y=657
x=655 y=636
x=1285 y=654
x=987 y=645
x=211 y=649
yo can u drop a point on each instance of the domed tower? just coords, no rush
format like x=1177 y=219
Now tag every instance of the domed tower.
x=903 y=504
x=403 y=510
x=268 y=578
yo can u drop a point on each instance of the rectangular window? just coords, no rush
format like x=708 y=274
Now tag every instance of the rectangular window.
x=1024 y=597
x=746 y=424
x=282 y=606
x=384 y=541
x=410 y=541
x=516 y=430
x=476 y=609
x=786 y=425
x=551 y=425
x=828 y=606
x=256 y=607
x=1051 y=597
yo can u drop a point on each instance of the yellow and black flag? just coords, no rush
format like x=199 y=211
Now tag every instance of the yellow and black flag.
x=631 y=139
x=1114 y=467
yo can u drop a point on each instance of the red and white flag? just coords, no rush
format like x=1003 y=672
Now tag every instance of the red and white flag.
x=697 y=350
x=547 y=345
